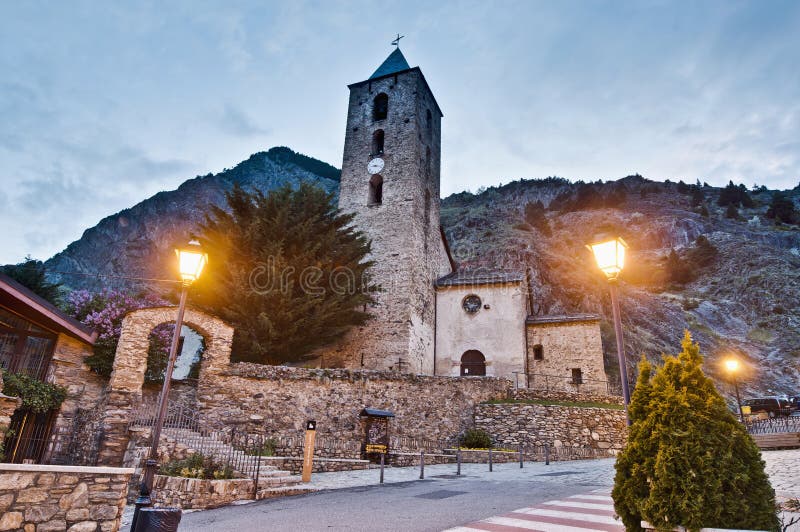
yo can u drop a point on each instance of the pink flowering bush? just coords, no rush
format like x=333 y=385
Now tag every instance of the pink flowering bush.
x=103 y=312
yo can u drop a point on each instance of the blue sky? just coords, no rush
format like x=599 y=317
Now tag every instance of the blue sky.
x=103 y=104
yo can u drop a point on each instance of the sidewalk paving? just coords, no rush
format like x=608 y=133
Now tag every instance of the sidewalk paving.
x=783 y=468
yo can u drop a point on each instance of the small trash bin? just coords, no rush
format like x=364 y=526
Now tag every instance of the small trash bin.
x=158 y=520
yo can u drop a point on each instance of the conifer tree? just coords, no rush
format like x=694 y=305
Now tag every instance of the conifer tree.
x=31 y=274
x=688 y=461
x=286 y=269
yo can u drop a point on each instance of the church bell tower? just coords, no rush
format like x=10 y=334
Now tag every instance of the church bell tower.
x=390 y=180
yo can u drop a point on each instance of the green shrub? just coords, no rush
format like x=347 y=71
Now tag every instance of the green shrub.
x=37 y=396
x=688 y=461
x=267 y=448
x=197 y=465
x=476 y=439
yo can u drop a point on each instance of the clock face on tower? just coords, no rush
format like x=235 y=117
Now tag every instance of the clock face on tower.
x=375 y=165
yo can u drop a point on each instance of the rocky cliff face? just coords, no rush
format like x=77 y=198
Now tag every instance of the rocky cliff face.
x=744 y=301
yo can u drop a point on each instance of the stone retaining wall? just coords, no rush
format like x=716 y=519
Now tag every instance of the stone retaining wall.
x=197 y=493
x=279 y=399
x=46 y=497
x=295 y=464
x=511 y=424
x=530 y=393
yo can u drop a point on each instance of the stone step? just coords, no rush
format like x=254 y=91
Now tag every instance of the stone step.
x=282 y=481
x=270 y=493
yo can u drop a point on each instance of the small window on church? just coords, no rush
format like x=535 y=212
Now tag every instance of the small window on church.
x=538 y=352
x=577 y=376
x=377 y=142
x=429 y=121
x=376 y=190
x=380 y=106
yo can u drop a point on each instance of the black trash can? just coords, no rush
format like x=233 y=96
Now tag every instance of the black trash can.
x=158 y=520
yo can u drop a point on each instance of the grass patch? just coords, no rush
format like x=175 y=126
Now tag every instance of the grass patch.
x=761 y=335
x=553 y=402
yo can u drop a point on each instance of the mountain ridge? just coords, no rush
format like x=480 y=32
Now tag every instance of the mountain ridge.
x=744 y=301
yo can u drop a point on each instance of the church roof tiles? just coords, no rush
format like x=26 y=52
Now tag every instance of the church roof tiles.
x=396 y=62
x=480 y=276
x=565 y=318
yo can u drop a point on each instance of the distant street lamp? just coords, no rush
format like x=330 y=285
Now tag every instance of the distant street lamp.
x=191 y=261
x=732 y=365
x=610 y=257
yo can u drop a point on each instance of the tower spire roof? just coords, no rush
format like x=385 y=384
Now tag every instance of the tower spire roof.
x=396 y=62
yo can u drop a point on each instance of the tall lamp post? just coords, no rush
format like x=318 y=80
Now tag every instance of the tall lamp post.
x=732 y=365
x=191 y=261
x=610 y=257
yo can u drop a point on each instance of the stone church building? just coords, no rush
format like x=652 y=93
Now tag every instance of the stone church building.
x=432 y=317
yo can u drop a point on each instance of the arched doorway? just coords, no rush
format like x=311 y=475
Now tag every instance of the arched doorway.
x=473 y=363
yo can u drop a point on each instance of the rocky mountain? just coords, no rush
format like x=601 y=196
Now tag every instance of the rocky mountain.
x=138 y=242
x=736 y=289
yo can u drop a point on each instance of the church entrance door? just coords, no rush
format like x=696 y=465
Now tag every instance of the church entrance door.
x=473 y=363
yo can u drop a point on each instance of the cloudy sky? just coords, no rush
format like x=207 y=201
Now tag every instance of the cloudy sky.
x=103 y=104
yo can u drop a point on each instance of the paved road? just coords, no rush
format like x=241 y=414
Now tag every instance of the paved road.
x=353 y=500
x=587 y=512
x=439 y=502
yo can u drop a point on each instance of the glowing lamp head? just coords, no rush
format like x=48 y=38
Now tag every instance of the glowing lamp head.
x=191 y=261
x=732 y=365
x=610 y=256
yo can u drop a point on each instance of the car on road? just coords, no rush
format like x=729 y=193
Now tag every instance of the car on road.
x=772 y=406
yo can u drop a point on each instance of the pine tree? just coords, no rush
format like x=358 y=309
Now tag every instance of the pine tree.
x=535 y=216
x=287 y=270
x=688 y=461
x=782 y=209
x=31 y=274
x=704 y=253
x=678 y=271
x=732 y=212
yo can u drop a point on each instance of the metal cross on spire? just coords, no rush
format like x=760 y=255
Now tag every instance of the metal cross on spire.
x=396 y=42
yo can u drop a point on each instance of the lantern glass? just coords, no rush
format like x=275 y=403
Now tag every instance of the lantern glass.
x=610 y=256
x=732 y=365
x=191 y=261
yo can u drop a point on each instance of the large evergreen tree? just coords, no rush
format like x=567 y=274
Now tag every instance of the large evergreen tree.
x=688 y=460
x=287 y=270
x=31 y=274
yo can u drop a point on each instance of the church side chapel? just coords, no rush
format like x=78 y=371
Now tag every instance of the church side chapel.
x=433 y=317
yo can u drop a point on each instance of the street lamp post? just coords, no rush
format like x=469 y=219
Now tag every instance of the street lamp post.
x=610 y=257
x=191 y=261
x=732 y=365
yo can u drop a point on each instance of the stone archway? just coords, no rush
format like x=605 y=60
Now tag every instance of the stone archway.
x=125 y=385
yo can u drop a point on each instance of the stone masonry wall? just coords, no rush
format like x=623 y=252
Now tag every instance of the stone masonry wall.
x=196 y=493
x=567 y=345
x=425 y=407
x=512 y=424
x=47 y=498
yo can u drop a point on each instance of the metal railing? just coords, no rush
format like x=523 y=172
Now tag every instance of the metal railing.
x=232 y=448
x=566 y=383
x=774 y=425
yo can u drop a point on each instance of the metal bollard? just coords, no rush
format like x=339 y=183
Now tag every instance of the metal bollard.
x=520 y=456
x=382 y=461
x=421 y=465
x=490 y=460
x=546 y=454
x=458 y=461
